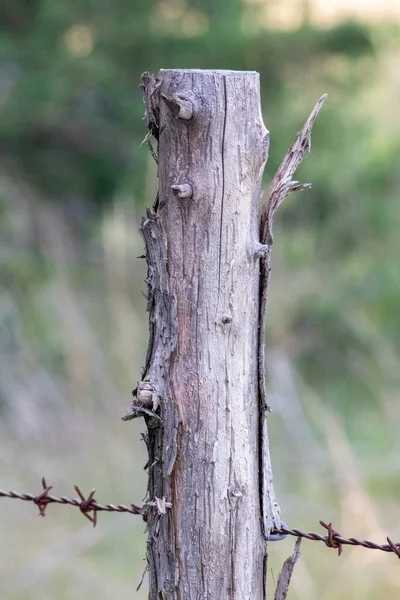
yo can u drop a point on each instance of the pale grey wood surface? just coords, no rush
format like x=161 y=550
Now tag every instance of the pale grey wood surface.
x=204 y=278
x=211 y=498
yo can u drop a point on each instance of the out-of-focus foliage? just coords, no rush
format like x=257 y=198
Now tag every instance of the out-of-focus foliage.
x=72 y=110
x=74 y=180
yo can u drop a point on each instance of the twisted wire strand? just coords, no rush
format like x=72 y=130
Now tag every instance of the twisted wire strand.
x=340 y=540
x=49 y=499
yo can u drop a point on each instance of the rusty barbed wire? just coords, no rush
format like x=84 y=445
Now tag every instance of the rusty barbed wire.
x=89 y=508
x=335 y=540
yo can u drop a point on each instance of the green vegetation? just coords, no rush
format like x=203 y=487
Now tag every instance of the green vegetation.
x=74 y=182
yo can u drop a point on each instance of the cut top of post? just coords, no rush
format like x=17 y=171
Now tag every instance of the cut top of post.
x=210 y=72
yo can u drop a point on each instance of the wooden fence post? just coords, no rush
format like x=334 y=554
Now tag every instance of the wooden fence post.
x=200 y=392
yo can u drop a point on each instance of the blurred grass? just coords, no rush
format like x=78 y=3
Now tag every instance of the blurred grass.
x=71 y=345
x=73 y=328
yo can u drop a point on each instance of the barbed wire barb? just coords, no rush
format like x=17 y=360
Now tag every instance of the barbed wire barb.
x=87 y=505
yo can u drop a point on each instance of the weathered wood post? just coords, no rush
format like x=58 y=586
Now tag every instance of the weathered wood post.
x=200 y=391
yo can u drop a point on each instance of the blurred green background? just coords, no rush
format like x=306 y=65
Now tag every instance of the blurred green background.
x=74 y=183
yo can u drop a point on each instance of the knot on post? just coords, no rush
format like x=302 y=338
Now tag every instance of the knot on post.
x=183 y=191
x=181 y=105
x=145 y=402
x=145 y=395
